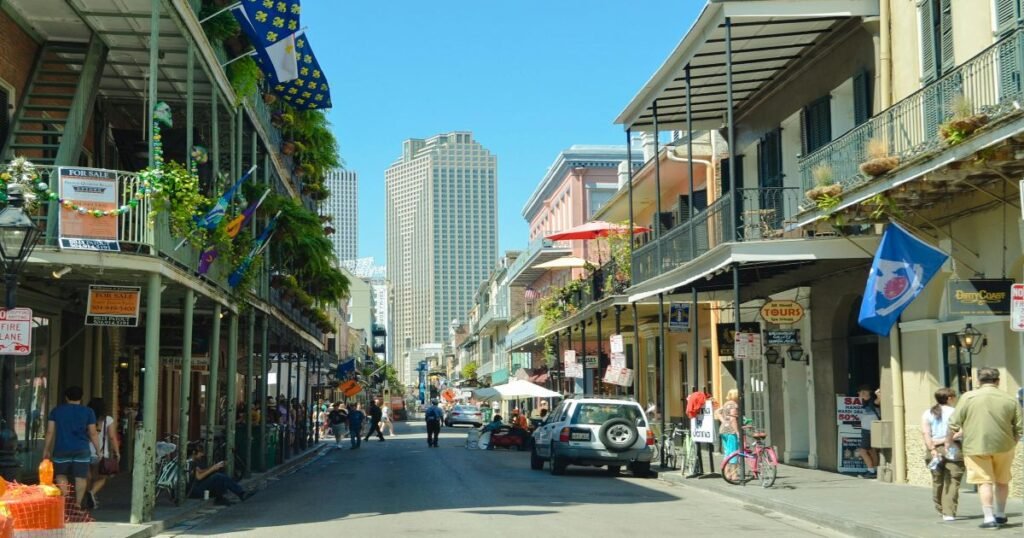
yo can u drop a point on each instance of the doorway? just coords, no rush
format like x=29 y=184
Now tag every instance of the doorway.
x=862 y=366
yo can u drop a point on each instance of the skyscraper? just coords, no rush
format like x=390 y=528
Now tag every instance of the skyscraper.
x=442 y=235
x=342 y=205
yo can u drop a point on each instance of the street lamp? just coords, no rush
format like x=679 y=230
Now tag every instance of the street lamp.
x=971 y=339
x=773 y=357
x=18 y=236
x=796 y=353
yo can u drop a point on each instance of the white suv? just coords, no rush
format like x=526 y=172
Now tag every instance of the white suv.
x=597 y=432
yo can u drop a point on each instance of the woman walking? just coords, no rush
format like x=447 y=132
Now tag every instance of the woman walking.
x=109 y=448
x=946 y=462
x=385 y=420
x=729 y=431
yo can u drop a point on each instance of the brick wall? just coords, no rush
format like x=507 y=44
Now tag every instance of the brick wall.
x=19 y=51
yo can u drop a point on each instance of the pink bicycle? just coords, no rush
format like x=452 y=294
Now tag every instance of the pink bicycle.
x=760 y=462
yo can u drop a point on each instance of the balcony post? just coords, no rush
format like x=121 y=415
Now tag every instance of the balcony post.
x=250 y=387
x=215 y=139
x=689 y=161
x=568 y=345
x=230 y=421
x=629 y=190
x=289 y=434
x=154 y=73
x=186 y=389
x=657 y=190
x=264 y=367
x=731 y=132
x=211 y=390
x=600 y=345
x=695 y=339
x=190 y=104
x=740 y=379
x=636 y=354
x=618 y=331
x=661 y=367
x=583 y=346
x=144 y=461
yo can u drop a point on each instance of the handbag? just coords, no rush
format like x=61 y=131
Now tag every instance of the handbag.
x=107 y=466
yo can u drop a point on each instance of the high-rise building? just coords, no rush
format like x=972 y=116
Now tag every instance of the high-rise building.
x=342 y=205
x=442 y=235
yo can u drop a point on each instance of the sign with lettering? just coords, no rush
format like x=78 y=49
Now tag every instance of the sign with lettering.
x=86 y=222
x=782 y=338
x=848 y=409
x=115 y=306
x=782 y=312
x=748 y=346
x=617 y=344
x=679 y=317
x=590 y=361
x=571 y=366
x=1017 y=307
x=983 y=296
x=15 y=331
x=726 y=333
x=702 y=427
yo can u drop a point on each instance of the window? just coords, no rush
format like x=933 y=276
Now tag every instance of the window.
x=769 y=159
x=816 y=123
x=936 y=21
x=598 y=197
x=956 y=370
x=862 y=103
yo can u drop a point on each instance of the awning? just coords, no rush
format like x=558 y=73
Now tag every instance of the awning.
x=714 y=266
x=768 y=37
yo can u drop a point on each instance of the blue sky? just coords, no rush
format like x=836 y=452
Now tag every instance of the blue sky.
x=528 y=77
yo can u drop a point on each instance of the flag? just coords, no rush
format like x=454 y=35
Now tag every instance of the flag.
x=216 y=213
x=346 y=369
x=234 y=227
x=235 y=278
x=902 y=267
x=309 y=90
x=271 y=26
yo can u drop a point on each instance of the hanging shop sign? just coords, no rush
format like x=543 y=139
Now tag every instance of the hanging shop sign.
x=983 y=296
x=726 y=333
x=782 y=312
x=88 y=209
x=1017 y=307
x=114 y=306
x=618 y=360
x=622 y=377
x=15 y=331
x=679 y=318
x=782 y=338
x=590 y=361
x=748 y=346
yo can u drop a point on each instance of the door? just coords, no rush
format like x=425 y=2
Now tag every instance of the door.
x=863 y=368
x=957 y=362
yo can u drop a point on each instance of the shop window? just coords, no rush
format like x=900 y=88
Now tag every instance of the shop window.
x=31 y=394
x=956 y=365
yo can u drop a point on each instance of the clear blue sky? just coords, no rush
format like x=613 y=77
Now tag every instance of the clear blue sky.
x=528 y=77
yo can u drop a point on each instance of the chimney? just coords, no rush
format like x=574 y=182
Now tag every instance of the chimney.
x=623 y=173
x=647 y=139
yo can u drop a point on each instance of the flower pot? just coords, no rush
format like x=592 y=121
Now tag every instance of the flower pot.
x=879 y=166
x=822 y=191
x=963 y=126
x=288 y=148
x=269 y=98
x=276 y=281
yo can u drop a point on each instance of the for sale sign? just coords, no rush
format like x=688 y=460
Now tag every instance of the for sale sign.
x=15 y=331
x=115 y=306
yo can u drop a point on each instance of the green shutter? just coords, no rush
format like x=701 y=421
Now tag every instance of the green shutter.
x=1006 y=16
x=948 y=61
x=861 y=97
x=927 y=23
x=817 y=124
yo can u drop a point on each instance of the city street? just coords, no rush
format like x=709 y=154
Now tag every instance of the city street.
x=400 y=486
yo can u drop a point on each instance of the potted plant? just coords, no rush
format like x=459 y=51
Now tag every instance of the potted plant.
x=879 y=161
x=825 y=185
x=269 y=98
x=328 y=230
x=963 y=123
x=288 y=147
x=245 y=76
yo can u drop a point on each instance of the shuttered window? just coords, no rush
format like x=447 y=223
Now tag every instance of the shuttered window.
x=769 y=160
x=725 y=174
x=862 y=103
x=936 y=21
x=816 y=124
x=1007 y=13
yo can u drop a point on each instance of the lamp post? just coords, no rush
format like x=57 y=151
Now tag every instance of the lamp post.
x=18 y=236
x=773 y=357
x=971 y=340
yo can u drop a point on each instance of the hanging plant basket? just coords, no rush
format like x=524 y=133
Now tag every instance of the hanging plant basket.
x=879 y=166
x=269 y=98
x=823 y=191
x=959 y=128
x=288 y=147
x=328 y=230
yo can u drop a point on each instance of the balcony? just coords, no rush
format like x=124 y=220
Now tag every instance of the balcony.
x=493 y=315
x=761 y=216
x=987 y=87
x=523 y=333
x=541 y=250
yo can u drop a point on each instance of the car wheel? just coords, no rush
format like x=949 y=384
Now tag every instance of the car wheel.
x=614 y=469
x=640 y=469
x=536 y=462
x=558 y=465
x=618 y=434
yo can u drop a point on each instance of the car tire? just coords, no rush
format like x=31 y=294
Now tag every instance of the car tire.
x=536 y=462
x=618 y=434
x=558 y=465
x=640 y=469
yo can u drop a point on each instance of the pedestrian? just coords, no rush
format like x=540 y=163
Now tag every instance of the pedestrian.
x=70 y=430
x=355 y=425
x=992 y=424
x=945 y=462
x=336 y=418
x=729 y=431
x=109 y=448
x=203 y=477
x=869 y=413
x=376 y=415
x=385 y=420
x=434 y=416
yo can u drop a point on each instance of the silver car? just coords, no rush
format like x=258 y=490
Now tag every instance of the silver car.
x=596 y=432
x=464 y=414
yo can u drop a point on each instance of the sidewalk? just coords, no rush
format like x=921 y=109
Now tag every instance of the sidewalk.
x=855 y=506
x=112 y=514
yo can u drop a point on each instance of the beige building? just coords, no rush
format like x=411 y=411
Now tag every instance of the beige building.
x=442 y=235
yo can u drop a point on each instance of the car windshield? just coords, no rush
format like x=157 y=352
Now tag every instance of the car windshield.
x=595 y=413
x=467 y=409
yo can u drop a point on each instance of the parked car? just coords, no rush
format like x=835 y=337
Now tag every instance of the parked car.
x=464 y=414
x=597 y=432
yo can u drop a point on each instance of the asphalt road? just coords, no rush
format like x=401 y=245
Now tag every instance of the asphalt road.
x=401 y=487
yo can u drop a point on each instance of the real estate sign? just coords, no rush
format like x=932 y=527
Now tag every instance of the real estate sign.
x=84 y=190
x=115 y=306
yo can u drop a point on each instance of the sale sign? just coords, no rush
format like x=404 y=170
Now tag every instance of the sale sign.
x=848 y=409
x=85 y=222
x=16 y=331
x=116 y=306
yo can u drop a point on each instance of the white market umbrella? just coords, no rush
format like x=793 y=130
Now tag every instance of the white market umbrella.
x=514 y=390
x=565 y=262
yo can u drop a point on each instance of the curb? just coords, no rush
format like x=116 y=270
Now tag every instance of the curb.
x=156 y=527
x=810 y=515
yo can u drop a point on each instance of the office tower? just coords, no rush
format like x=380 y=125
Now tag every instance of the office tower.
x=442 y=235
x=342 y=205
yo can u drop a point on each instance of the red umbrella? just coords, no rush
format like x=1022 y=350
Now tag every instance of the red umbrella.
x=595 y=230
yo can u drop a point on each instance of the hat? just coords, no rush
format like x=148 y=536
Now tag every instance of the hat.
x=433 y=401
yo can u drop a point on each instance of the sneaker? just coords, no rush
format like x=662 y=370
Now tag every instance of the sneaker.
x=989 y=525
x=948 y=518
x=1000 y=520
x=89 y=501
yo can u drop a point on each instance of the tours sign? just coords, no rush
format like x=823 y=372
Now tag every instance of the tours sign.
x=115 y=306
x=782 y=312
x=89 y=196
x=15 y=331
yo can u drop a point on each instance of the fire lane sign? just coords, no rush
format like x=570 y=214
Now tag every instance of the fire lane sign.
x=15 y=331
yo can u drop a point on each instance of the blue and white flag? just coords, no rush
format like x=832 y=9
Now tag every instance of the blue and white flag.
x=309 y=91
x=272 y=26
x=346 y=369
x=903 y=266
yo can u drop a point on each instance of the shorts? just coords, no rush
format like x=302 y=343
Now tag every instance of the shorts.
x=989 y=468
x=72 y=464
x=865 y=439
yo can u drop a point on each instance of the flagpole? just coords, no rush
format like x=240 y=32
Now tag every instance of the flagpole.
x=233 y=60
x=229 y=8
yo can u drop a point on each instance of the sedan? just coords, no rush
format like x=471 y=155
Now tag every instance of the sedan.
x=464 y=414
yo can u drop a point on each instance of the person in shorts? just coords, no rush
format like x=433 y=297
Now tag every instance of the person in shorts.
x=992 y=424
x=69 y=432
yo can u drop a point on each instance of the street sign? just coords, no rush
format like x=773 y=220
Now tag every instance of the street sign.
x=16 y=331
x=782 y=338
x=114 y=306
x=1017 y=307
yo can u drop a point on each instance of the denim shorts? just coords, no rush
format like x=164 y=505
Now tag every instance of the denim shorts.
x=72 y=464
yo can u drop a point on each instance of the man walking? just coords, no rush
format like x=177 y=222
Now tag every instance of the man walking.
x=337 y=418
x=70 y=430
x=355 y=425
x=434 y=416
x=375 y=417
x=992 y=424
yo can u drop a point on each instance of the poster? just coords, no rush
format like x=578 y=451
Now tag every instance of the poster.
x=114 y=306
x=782 y=337
x=90 y=189
x=849 y=442
x=617 y=346
x=622 y=377
x=618 y=360
x=726 y=334
x=748 y=346
x=848 y=411
x=702 y=427
x=679 y=317
x=1017 y=308
x=572 y=368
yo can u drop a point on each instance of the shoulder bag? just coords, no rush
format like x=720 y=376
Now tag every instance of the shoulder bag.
x=107 y=466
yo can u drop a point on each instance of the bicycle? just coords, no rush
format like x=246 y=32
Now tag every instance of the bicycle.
x=761 y=461
x=672 y=450
x=167 y=469
x=687 y=451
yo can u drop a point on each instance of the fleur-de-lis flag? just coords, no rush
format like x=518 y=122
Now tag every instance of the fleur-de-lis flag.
x=309 y=90
x=272 y=26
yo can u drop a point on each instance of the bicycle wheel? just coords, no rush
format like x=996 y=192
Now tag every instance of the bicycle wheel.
x=736 y=473
x=767 y=470
x=689 y=456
